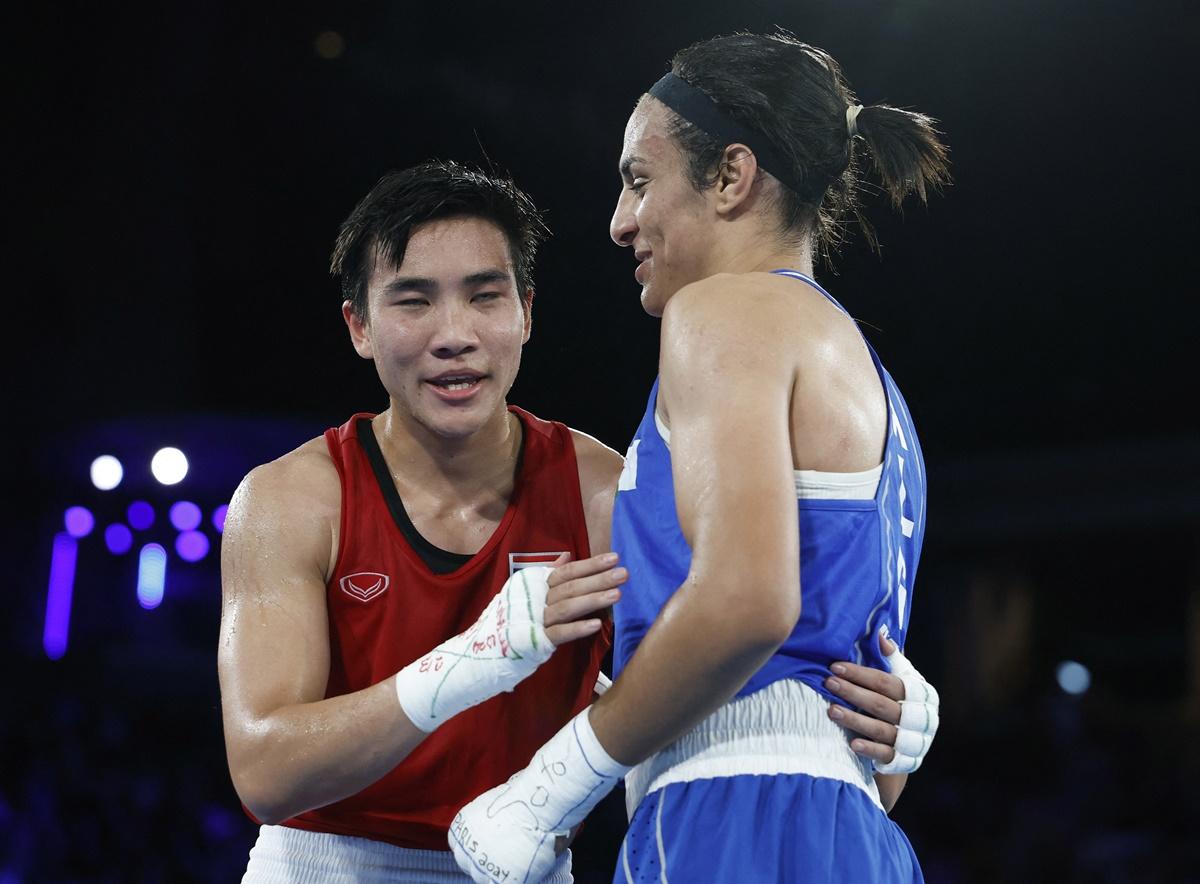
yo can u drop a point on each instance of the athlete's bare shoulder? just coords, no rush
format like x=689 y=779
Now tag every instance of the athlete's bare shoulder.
x=599 y=469
x=306 y=471
x=766 y=310
x=728 y=314
x=599 y=465
x=292 y=502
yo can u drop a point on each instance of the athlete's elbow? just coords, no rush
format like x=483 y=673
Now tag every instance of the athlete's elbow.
x=258 y=785
x=266 y=814
x=254 y=798
x=265 y=801
x=776 y=604
x=778 y=617
x=763 y=614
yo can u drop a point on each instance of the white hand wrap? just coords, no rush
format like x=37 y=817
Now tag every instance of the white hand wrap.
x=507 y=834
x=603 y=683
x=505 y=645
x=918 y=717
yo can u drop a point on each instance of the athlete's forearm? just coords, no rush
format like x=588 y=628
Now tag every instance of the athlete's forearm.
x=307 y=755
x=890 y=787
x=697 y=655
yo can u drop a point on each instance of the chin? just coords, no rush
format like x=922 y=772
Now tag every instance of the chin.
x=457 y=426
x=650 y=301
x=442 y=423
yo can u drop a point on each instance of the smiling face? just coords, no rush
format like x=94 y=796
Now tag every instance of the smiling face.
x=659 y=214
x=446 y=327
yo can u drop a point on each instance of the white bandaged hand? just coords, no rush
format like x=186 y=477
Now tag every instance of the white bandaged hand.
x=918 y=717
x=507 y=834
x=500 y=649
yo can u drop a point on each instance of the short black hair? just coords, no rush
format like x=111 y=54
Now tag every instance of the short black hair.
x=382 y=223
x=796 y=96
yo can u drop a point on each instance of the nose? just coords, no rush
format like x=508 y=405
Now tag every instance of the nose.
x=455 y=332
x=623 y=226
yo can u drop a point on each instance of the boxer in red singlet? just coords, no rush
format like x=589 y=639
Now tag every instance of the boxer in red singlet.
x=383 y=584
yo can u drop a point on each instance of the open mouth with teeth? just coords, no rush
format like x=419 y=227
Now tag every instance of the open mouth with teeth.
x=456 y=385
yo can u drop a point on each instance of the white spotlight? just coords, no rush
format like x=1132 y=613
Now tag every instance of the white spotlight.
x=1074 y=678
x=107 y=472
x=169 y=466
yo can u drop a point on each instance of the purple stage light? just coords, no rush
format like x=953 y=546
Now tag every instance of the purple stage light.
x=58 y=597
x=140 y=515
x=79 y=521
x=152 y=576
x=185 y=515
x=192 y=546
x=218 y=517
x=118 y=539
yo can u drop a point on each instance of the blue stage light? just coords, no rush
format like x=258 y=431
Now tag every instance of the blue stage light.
x=118 y=539
x=140 y=515
x=152 y=576
x=1073 y=678
x=58 y=597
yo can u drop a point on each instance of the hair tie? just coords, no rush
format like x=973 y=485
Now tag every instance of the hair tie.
x=852 y=119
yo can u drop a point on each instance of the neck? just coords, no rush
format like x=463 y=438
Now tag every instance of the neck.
x=452 y=468
x=758 y=251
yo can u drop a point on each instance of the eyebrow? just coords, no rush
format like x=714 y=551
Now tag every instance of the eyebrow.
x=427 y=285
x=627 y=164
x=485 y=277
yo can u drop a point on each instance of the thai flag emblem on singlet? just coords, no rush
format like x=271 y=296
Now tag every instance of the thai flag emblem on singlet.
x=519 y=560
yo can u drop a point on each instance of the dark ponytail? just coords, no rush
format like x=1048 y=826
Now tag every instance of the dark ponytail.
x=795 y=95
x=905 y=151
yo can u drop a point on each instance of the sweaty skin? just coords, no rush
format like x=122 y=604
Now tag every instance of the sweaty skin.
x=452 y=305
x=749 y=362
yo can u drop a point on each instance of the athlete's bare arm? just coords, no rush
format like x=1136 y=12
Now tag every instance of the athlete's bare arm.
x=599 y=470
x=727 y=377
x=289 y=748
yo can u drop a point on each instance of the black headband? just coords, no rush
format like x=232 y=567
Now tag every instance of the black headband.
x=701 y=111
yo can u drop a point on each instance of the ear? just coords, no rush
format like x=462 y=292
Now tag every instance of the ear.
x=527 y=308
x=360 y=333
x=735 y=178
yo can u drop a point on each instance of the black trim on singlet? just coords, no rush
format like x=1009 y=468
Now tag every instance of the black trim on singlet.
x=440 y=561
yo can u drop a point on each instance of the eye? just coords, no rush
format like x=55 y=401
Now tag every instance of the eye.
x=411 y=302
x=485 y=296
x=638 y=184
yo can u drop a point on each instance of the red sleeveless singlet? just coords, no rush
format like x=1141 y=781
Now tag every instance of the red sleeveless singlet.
x=387 y=608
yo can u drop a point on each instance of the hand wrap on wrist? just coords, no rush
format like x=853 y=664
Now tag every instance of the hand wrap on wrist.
x=505 y=645
x=507 y=834
x=918 y=717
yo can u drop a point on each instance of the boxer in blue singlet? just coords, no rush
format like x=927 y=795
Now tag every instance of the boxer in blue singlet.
x=771 y=509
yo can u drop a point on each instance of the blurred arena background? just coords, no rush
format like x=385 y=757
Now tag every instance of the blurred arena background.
x=183 y=170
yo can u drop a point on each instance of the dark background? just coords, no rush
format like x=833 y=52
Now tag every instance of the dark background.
x=182 y=172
